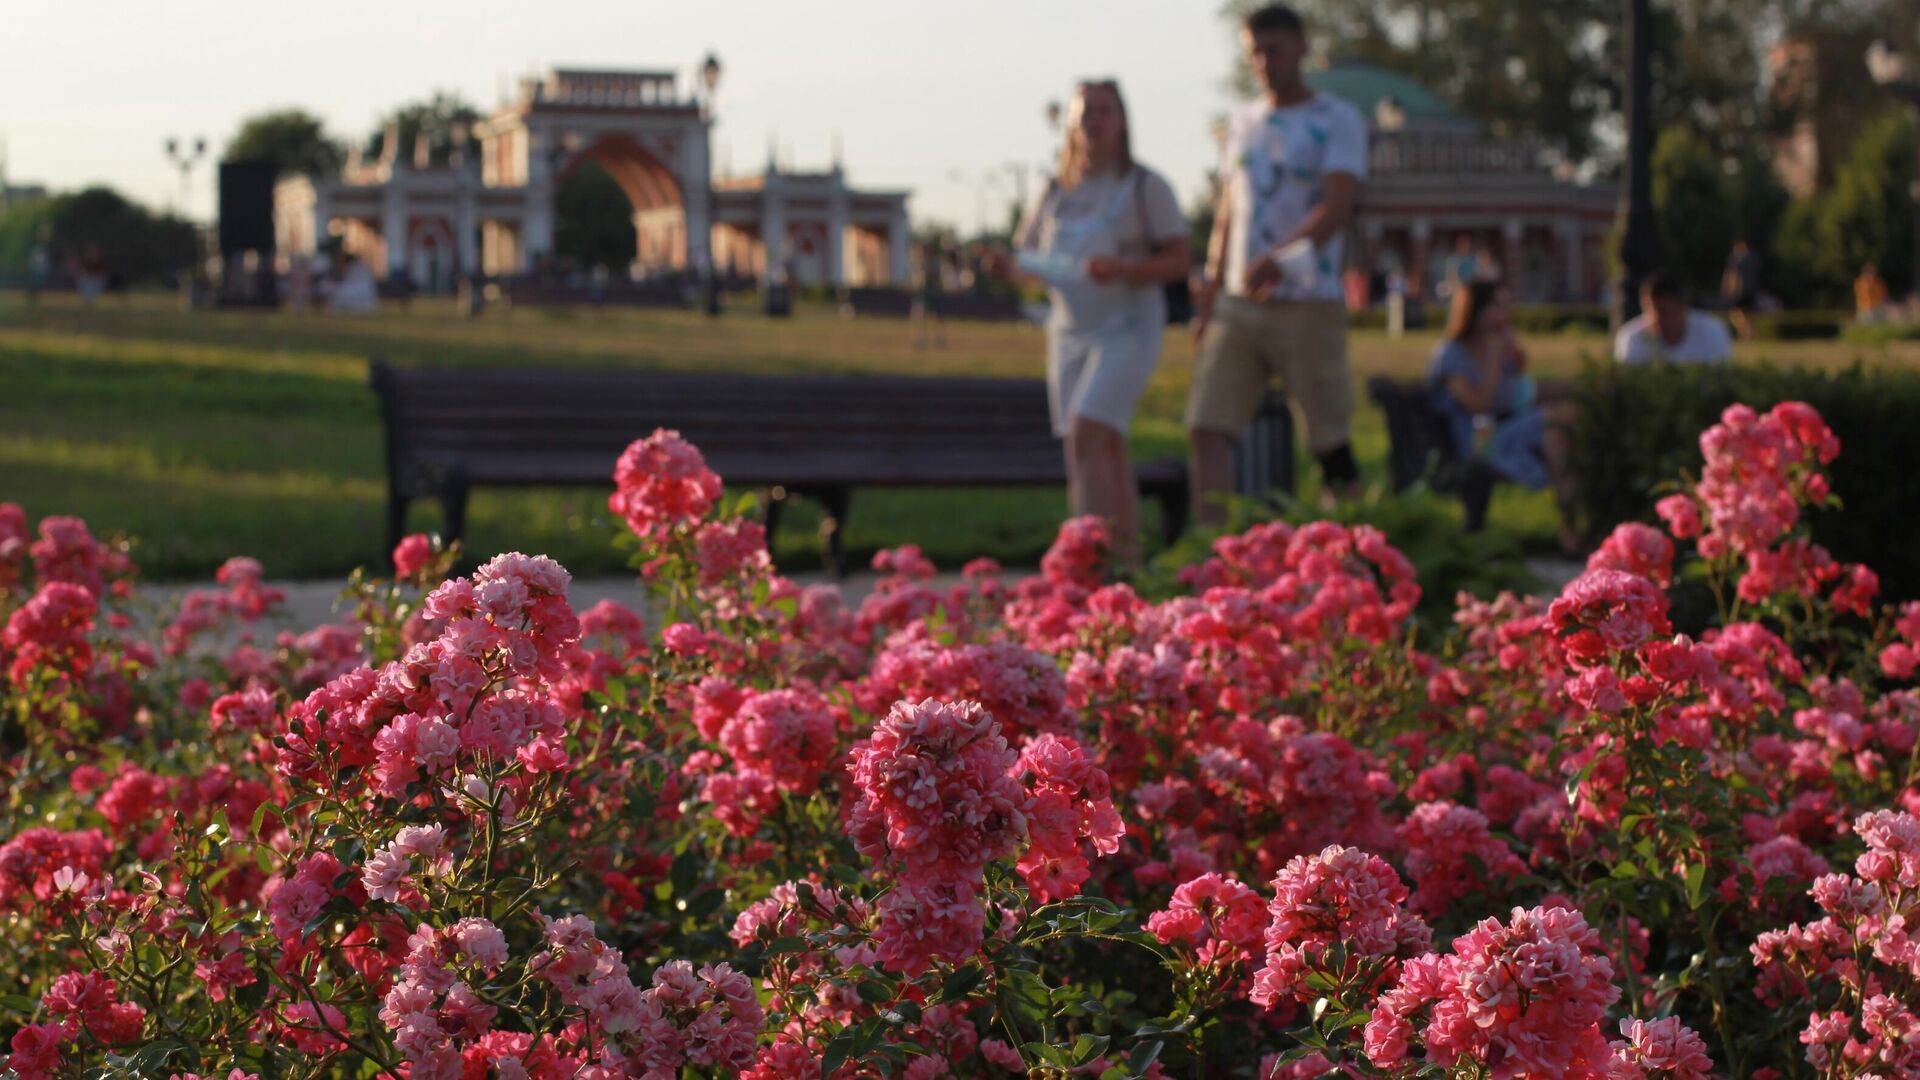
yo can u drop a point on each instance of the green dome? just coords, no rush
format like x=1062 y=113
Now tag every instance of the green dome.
x=1364 y=86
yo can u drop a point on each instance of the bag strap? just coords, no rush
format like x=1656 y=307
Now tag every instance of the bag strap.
x=1140 y=209
x=1046 y=207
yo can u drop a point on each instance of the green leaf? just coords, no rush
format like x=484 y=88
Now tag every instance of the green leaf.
x=1144 y=1055
x=1164 y=1025
x=836 y=1053
x=875 y=992
x=1052 y=1055
x=148 y=1058
x=903 y=1012
x=959 y=983
x=1025 y=997
x=1087 y=1047
x=1696 y=880
x=1579 y=778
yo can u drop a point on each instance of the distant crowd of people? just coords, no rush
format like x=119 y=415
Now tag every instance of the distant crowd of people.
x=87 y=268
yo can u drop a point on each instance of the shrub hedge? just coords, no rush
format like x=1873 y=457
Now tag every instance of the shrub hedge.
x=1639 y=427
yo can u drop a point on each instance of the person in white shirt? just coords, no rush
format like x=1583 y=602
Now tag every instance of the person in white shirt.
x=1668 y=328
x=1294 y=163
x=354 y=291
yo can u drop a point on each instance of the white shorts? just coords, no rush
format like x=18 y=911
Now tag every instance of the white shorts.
x=1100 y=376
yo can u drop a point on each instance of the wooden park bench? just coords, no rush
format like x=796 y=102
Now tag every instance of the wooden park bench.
x=1420 y=444
x=449 y=430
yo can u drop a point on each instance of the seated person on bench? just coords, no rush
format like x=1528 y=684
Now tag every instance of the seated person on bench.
x=1478 y=382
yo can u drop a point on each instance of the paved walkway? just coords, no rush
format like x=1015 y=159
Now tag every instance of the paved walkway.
x=310 y=603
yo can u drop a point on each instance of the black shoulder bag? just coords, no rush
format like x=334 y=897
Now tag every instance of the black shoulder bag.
x=1179 y=292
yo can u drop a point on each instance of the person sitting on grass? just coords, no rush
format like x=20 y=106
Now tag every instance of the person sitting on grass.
x=1670 y=329
x=1479 y=383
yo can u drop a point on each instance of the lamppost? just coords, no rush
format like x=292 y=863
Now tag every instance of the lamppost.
x=1218 y=130
x=185 y=158
x=979 y=185
x=1889 y=69
x=1639 y=239
x=709 y=86
x=1017 y=172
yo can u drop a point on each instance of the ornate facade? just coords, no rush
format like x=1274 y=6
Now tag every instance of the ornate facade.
x=1438 y=179
x=490 y=208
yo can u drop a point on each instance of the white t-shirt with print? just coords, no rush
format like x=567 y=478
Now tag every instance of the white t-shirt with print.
x=1276 y=159
x=1705 y=342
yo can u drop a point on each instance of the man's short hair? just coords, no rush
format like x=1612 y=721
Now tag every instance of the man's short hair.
x=1664 y=285
x=1274 y=17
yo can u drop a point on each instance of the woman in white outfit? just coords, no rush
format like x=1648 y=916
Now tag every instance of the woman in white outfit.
x=1106 y=235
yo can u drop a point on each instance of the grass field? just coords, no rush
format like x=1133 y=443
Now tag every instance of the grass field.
x=210 y=434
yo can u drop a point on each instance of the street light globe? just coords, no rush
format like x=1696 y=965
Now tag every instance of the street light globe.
x=710 y=73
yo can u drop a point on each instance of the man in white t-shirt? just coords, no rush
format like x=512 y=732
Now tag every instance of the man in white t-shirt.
x=1272 y=306
x=1669 y=329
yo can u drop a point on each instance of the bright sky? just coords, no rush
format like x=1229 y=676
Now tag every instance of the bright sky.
x=916 y=90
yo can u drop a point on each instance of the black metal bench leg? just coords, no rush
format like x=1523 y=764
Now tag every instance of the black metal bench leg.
x=1173 y=513
x=835 y=503
x=1476 y=494
x=396 y=519
x=453 y=504
x=773 y=502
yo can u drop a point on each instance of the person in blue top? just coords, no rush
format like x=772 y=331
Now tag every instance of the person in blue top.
x=1479 y=383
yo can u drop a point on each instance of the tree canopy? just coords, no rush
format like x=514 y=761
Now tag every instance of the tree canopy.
x=1551 y=70
x=439 y=117
x=136 y=244
x=294 y=139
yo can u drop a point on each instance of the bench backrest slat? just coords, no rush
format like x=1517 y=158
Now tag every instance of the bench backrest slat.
x=537 y=426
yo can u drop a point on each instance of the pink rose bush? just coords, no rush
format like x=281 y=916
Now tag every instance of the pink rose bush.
x=1245 y=817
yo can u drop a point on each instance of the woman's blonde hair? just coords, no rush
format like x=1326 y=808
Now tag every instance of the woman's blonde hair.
x=1073 y=153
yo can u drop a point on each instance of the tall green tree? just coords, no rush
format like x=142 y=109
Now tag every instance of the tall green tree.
x=1866 y=218
x=294 y=139
x=23 y=225
x=438 y=117
x=137 y=245
x=1550 y=69
x=1525 y=68
x=1696 y=206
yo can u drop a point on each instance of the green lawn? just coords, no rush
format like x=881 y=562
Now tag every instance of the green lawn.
x=211 y=434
